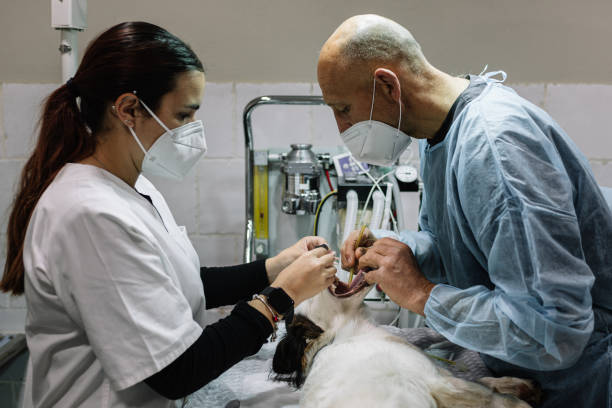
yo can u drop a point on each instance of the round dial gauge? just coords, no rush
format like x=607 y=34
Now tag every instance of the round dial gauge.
x=406 y=174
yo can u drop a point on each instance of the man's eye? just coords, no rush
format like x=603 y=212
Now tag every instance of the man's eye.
x=346 y=109
x=183 y=116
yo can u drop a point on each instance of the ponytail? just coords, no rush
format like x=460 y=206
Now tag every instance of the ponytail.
x=128 y=56
x=63 y=138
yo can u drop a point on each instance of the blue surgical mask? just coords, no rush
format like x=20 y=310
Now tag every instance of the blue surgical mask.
x=376 y=142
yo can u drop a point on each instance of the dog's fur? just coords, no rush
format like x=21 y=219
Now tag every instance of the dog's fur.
x=344 y=360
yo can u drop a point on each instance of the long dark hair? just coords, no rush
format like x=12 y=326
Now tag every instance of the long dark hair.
x=129 y=56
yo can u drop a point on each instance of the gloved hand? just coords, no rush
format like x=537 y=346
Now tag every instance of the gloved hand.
x=348 y=255
x=276 y=264
x=308 y=275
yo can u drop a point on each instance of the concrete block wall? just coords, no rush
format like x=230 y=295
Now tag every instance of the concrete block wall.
x=210 y=202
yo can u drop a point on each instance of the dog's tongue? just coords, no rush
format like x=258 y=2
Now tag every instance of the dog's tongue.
x=342 y=289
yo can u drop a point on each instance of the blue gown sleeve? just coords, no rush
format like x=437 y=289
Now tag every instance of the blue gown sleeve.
x=520 y=210
x=423 y=245
x=423 y=242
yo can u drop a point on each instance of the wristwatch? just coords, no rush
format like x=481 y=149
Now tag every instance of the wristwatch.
x=280 y=301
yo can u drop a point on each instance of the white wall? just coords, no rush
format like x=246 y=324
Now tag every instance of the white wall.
x=210 y=202
x=564 y=41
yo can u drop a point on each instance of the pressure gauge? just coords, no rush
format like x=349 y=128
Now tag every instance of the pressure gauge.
x=406 y=174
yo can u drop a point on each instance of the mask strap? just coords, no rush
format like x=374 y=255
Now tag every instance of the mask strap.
x=137 y=140
x=154 y=116
x=373 y=93
x=399 y=101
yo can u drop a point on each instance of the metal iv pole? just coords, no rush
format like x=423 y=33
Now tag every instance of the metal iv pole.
x=70 y=17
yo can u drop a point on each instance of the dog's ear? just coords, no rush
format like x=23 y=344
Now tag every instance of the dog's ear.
x=288 y=361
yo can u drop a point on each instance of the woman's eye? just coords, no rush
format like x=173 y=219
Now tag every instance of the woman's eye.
x=183 y=116
x=346 y=109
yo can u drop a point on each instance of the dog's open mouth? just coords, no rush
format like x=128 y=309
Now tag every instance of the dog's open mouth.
x=341 y=289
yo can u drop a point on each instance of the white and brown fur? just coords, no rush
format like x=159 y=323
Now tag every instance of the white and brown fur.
x=343 y=360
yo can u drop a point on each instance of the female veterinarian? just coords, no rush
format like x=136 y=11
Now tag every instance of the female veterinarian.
x=114 y=288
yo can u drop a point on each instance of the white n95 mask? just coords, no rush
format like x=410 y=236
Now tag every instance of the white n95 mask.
x=175 y=152
x=376 y=142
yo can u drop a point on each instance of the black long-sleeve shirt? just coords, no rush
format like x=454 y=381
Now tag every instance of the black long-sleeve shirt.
x=224 y=343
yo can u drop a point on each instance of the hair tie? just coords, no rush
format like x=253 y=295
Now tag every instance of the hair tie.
x=72 y=88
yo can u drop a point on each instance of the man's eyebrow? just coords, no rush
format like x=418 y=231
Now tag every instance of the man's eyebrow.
x=194 y=106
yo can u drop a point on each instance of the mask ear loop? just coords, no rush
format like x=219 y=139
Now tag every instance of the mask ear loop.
x=373 y=93
x=154 y=116
x=134 y=134
x=399 y=101
x=137 y=140
x=399 y=123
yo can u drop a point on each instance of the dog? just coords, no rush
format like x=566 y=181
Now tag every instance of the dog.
x=342 y=359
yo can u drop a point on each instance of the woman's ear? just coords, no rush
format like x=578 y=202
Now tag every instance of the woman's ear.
x=126 y=108
x=288 y=362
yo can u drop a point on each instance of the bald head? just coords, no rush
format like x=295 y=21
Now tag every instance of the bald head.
x=372 y=67
x=371 y=40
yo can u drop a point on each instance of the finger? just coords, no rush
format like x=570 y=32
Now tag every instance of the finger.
x=371 y=260
x=319 y=252
x=366 y=234
x=359 y=252
x=330 y=272
x=368 y=242
x=323 y=246
x=372 y=276
x=312 y=242
x=328 y=259
x=348 y=256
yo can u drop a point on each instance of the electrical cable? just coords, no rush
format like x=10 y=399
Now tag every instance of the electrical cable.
x=318 y=212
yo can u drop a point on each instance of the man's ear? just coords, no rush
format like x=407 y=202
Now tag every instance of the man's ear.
x=288 y=362
x=388 y=83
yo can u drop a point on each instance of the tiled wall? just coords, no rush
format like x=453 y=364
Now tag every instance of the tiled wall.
x=210 y=202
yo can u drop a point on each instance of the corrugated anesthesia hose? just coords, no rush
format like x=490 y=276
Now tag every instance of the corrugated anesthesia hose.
x=387 y=213
x=352 y=205
x=377 y=210
x=401 y=218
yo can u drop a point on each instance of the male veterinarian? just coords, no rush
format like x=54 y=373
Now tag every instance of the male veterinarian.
x=514 y=256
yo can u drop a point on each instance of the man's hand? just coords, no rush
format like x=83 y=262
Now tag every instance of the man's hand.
x=393 y=266
x=347 y=253
x=286 y=257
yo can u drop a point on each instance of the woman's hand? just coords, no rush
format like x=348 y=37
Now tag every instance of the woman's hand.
x=279 y=262
x=308 y=275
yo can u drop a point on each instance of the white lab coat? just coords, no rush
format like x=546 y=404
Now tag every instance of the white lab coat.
x=113 y=292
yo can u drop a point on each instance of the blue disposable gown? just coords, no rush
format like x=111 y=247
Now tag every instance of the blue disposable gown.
x=517 y=231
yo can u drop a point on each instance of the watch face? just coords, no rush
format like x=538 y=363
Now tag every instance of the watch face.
x=278 y=299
